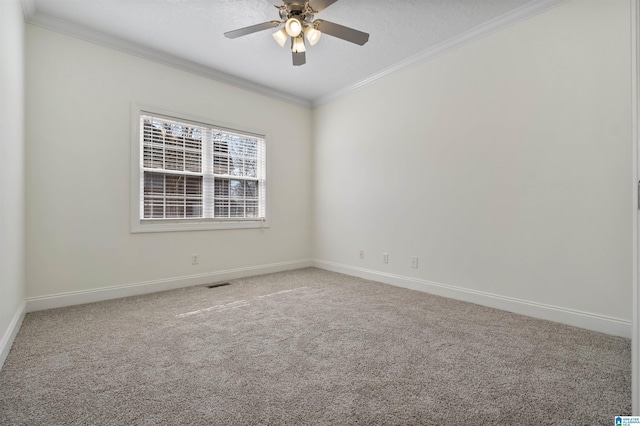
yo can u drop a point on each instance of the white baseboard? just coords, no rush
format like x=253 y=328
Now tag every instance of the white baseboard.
x=589 y=321
x=11 y=333
x=115 y=292
x=600 y=323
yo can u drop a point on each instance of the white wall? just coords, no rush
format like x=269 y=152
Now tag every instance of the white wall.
x=505 y=165
x=79 y=97
x=12 y=190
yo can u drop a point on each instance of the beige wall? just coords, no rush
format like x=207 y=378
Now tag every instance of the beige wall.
x=504 y=165
x=12 y=188
x=79 y=97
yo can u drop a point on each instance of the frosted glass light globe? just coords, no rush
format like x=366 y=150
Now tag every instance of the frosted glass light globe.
x=293 y=27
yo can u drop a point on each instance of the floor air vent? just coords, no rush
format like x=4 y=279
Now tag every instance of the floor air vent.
x=217 y=285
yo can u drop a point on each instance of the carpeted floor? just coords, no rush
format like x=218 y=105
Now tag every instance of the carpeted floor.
x=308 y=347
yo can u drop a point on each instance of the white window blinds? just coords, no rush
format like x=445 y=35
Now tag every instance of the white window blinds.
x=194 y=172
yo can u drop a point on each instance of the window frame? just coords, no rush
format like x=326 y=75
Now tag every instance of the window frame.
x=139 y=224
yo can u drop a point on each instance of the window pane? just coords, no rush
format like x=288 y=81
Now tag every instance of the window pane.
x=172 y=196
x=152 y=148
x=220 y=165
x=251 y=189
x=175 y=209
x=251 y=167
x=236 y=198
x=193 y=187
x=251 y=208
x=236 y=188
x=170 y=145
x=153 y=183
x=222 y=188
x=174 y=160
x=153 y=207
x=236 y=208
x=235 y=155
x=221 y=209
x=192 y=161
x=193 y=207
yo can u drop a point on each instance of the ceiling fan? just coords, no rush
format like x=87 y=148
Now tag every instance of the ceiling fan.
x=298 y=18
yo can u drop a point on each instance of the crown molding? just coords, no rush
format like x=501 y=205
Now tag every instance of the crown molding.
x=28 y=8
x=489 y=27
x=55 y=24
x=32 y=16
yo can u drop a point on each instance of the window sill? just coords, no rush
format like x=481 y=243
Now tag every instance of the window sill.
x=179 y=226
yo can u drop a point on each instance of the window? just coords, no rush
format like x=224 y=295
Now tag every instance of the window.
x=192 y=175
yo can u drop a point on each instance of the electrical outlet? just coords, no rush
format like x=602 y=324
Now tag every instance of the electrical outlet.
x=385 y=257
x=361 y=255
x=195 y=259
x=414 y=261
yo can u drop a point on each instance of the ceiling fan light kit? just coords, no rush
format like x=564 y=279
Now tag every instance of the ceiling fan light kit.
x=281 y=37
x=293 y=27
x=299 y=22
x=297 y=45
x=312 y=35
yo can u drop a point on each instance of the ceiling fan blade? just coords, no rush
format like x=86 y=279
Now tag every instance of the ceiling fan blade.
x=340 y=31
x=252 y=29
x=299 y=58
x=318 y=5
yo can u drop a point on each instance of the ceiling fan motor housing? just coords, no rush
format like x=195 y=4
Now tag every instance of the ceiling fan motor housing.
x=298 y=10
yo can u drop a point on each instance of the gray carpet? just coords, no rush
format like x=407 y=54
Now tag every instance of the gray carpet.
x=308 y=347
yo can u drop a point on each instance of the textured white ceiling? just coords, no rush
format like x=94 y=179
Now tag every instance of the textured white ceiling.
x=192 y=30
